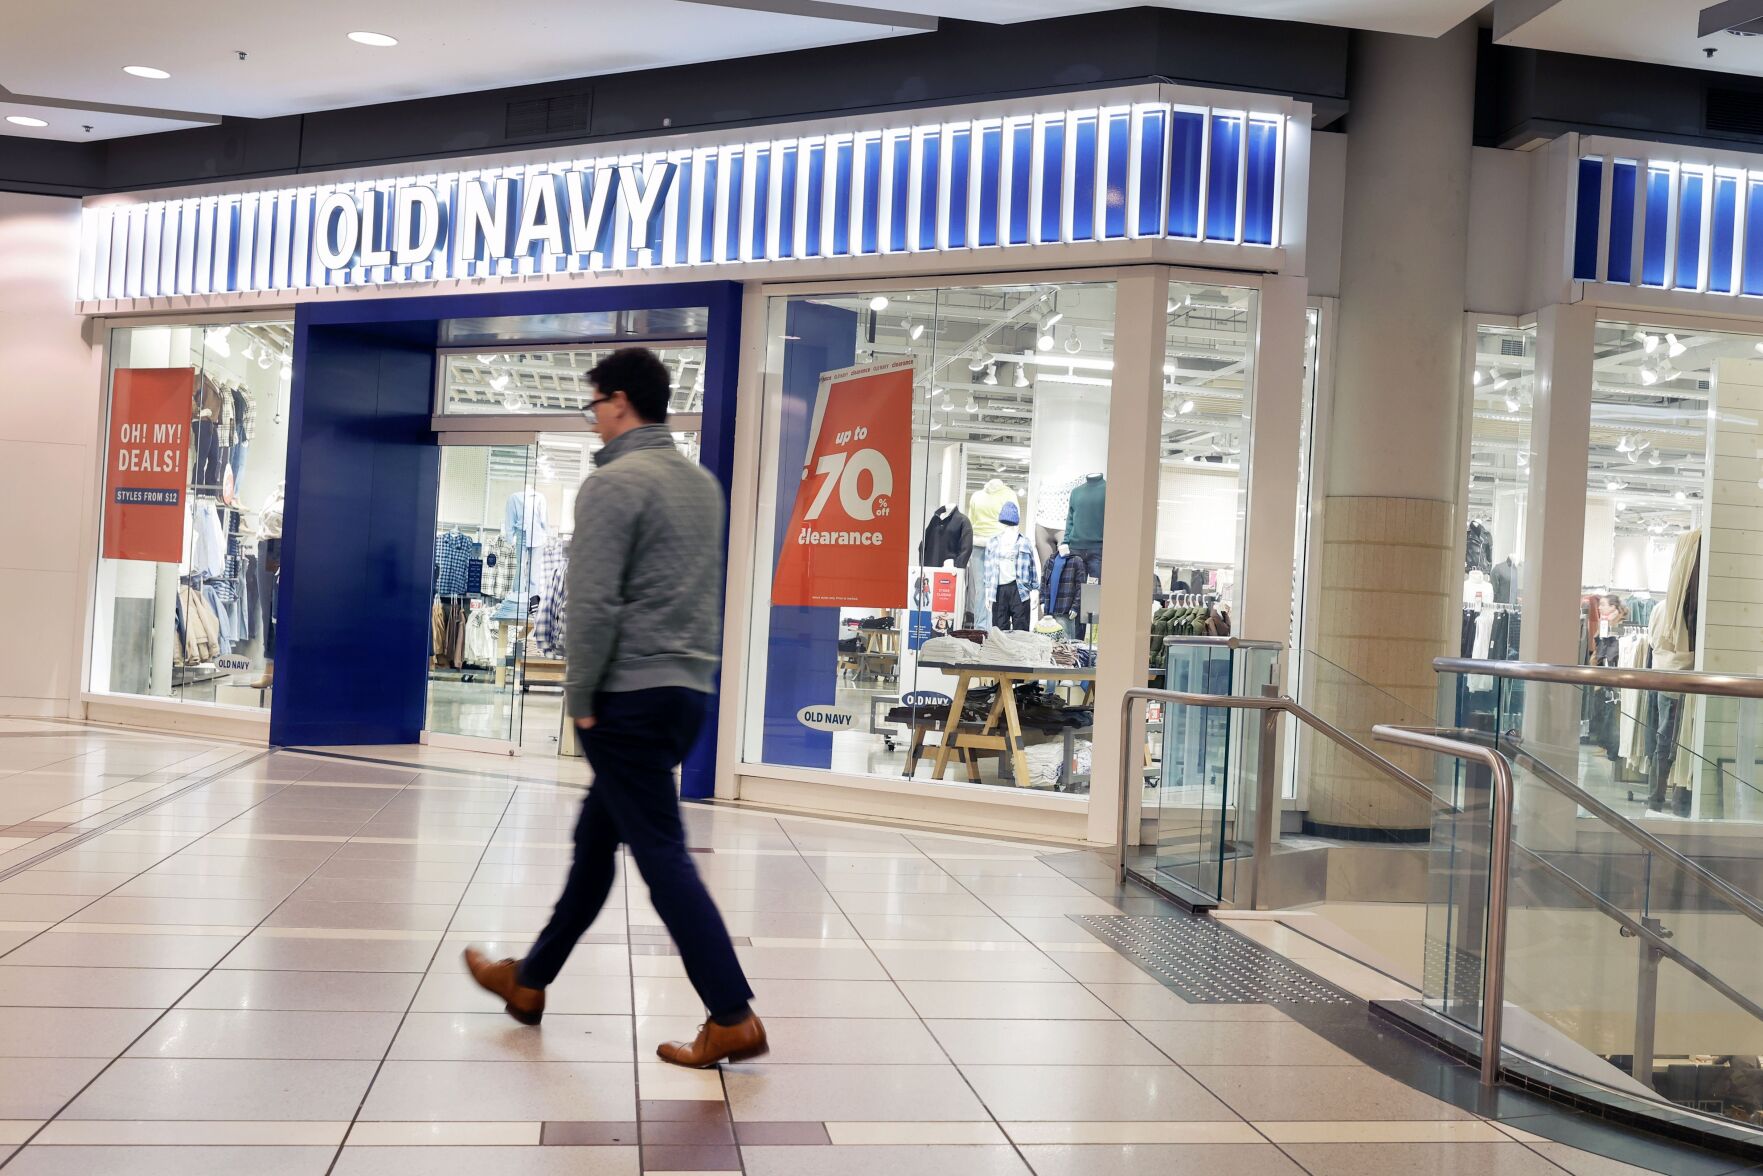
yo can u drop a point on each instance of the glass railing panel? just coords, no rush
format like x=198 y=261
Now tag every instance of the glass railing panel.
x=1206 y=765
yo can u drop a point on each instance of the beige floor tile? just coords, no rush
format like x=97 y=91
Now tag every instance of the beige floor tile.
x=659 y=1081
x=966 y=1160
x=1028 y=1043
x=474 y=1092
x=1104 y=1093
x=203 y=1160
x=950 y=1000
x=1374 y=1131
x=445 y=1134
x=850 y=1093
x=1243 y=1043
x=1403 y=1159
x=1324 y=1093
x=1232 y=1131
x=881 y=1134
x=1147 y=1002
x=1141 y=1159
x=234 y=1133
x=487 y=1161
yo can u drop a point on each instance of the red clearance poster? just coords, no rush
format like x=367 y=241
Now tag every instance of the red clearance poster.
x=848 y=544
x=145 y=468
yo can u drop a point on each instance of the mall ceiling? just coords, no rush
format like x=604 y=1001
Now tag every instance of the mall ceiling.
x=66 y=65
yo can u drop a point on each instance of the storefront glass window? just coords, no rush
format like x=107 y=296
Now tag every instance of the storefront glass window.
x=196 y=455
x=1203 y=480
x=933 y=504
x=553 y=380
x=1502 y=387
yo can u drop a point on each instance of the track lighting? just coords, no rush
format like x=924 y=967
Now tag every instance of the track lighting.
x=217 y=340
x=1649 y=377
x=499 y=382
x=1187 y=406
x=1654 y=459
x=1681 y=496
x=487 y=360
x=1512 y=404
x=1022 y=375
x=1614 y=485
x=1649 y=343
x=1672 y=347
x=1623 y=445
x=914 y=331
x=977 y=363
x=1476 y=378
x=991 y=374
x=972 y=405
x=879 y=302
x=1500 y=383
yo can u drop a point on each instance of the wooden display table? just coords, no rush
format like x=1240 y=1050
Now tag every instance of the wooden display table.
x=1001 y=732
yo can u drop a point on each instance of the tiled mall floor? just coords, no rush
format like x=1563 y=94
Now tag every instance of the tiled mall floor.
x=218 y=960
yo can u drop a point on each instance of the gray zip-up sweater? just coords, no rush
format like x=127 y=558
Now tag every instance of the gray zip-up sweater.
x=645 y=572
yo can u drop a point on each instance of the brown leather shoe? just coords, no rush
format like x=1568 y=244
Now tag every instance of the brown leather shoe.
x=718 y=1043
x=525 y=1005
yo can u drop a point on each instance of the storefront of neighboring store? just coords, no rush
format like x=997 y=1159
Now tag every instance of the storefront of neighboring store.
x=950 y=364
x=1613 y=439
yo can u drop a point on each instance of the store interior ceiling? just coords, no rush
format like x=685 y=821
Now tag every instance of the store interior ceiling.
x=63 y=65
x=1653 y=390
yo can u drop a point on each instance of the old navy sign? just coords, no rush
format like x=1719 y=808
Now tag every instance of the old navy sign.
x=1206 y=175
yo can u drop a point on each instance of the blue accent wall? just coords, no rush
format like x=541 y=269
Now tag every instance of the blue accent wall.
x=803 y=648
x=352 y=628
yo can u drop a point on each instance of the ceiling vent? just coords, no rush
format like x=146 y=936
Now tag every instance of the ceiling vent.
x=1511 y=347
x=1734 y=112
x=549 y=117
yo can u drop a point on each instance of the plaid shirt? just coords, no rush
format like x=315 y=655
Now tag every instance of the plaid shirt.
x=1000 y=549
x=452 y=558
x=553 y=607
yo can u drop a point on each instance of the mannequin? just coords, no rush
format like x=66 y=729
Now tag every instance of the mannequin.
x=982 y=514
x=269 y=566
x=1010 y=574
x=948 y=539
x=1506 y=576
x=1062 y=580
x=1476 y=588
x=1672 y=634
x=1083 y=524
x=1052 y=510
x=984 y=507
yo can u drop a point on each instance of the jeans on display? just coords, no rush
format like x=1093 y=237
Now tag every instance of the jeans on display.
x=236 y=460
x=1667 y=722
x=1092 y=557
x=269 y=566
x=639 y=737
x=977 y=603
x=1009 y=609
x=208 y=458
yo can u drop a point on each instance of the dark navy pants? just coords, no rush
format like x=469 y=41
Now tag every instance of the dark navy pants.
x=638 y=739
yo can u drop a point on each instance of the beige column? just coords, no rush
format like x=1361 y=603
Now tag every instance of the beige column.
x=1392 y=545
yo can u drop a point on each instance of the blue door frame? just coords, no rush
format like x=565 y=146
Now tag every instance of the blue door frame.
x=352 y=628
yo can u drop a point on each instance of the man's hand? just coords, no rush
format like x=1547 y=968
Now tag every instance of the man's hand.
x=585 y=724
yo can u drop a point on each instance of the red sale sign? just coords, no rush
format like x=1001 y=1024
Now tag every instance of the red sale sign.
x=847 y=543
x=145 y=469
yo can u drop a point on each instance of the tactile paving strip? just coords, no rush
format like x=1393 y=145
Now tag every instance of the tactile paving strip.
x=1207 y=963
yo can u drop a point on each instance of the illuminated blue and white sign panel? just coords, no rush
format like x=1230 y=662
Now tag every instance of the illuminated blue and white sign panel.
x=1664 y=223
x=1200 y=174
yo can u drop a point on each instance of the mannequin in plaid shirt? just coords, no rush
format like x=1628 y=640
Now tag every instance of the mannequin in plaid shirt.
x=1010 y=571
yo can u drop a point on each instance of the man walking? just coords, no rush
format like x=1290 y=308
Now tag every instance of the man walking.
x=642 y=626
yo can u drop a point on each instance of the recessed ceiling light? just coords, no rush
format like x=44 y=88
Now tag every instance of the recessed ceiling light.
x=377 y=40
x=145 y=71
x=25 y=120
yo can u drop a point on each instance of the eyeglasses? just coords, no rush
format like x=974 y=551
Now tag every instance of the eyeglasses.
x=594 y=405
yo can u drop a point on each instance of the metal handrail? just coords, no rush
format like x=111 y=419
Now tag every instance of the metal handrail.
x=1269 y=704
x=1737 y=899
x=1459 y=743
x=1665 y=681
x=1223 y=642
x=1493 y=988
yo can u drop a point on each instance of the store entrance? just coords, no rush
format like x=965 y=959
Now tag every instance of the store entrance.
x=503 y=520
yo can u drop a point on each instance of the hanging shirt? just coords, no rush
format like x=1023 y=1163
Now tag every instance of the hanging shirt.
x=207 y=540
x=525 y=516
x=452 y=558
